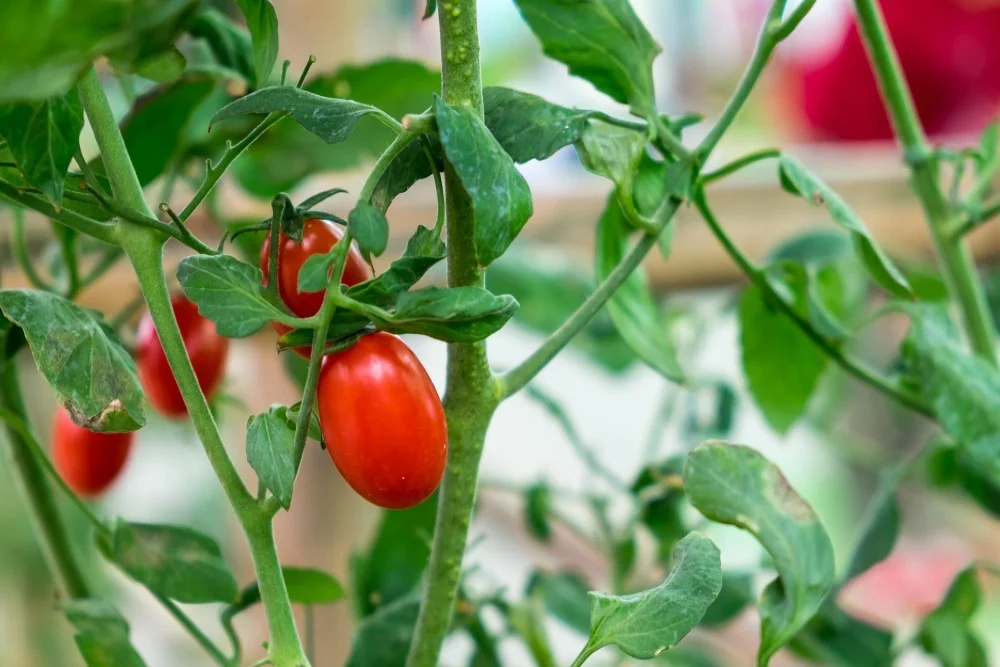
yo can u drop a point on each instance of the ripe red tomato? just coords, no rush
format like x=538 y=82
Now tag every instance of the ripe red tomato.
x=382 y=421
x=318 y=238
x=206 y=348
x=89 y=462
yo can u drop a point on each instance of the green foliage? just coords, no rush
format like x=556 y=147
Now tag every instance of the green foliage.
x=304 y=585
x=879 y=532
x=602 y=41
x=228 y=43
x=537 y=506
x=270 y=453
x=101 y=634
x=48 y=43
x=228 y=292
x=457 y=314
x=43 y=137
x=833 y=637
x=565 y=595
x=172 y=561
x=661 y=501
x=383 y=638
x=262 y=21
x=80 y=357
x=500 y=196
x=643 y=625
x=369 y=227
x=528 y=126
x=423 y=251
x=946 y=632
x=632 y=308
x=614 y=153
x=800 y=181
x=735 y=485
x=735 y=596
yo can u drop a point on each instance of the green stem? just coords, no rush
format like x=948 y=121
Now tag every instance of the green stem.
x=185 y=621
x=667 y=139
x=518 y=377
x=391 y=152
x=30 y=477
x=737 y=164
x=99 y=230
x=831 y=349
x=957 y=265
x=471 y=394
x=585 y=653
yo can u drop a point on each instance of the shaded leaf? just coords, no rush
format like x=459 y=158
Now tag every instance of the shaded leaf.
x=262 y=21
x=423 y=250
x=643 y=625
x=602 y=41
x=229 y=43
x=369 y=227
x=329 y=118
x=500 y=197
x=879 y=531
x=632 y=308
x=270 y=453
x=429 y=9
x=946 y=632
x=173 y=561
x=565 y=595
x=314 y=275
x=735 y=596
x=537 y=505
x=80 y=357
x=43 y=137
x=797 y=179
x=228 y=292
x=659 y=493
x=528 y=126
x=101 y=634
x=305 y=586
x=833 y=637
x=383 y=638
x=735 y=485
x=410 y=166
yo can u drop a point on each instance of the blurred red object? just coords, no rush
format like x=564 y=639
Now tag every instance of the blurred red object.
x=950 y=56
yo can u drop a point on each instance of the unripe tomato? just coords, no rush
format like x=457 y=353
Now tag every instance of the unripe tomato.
x=382 y=421
x=318 y=238
x=206 y=348
x=89 y=462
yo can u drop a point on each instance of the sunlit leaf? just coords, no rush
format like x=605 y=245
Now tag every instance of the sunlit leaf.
x=457 y=314
x=228 y=292
x=269 y=451
x=528 y=126
x=304 y=586
x=946 y=632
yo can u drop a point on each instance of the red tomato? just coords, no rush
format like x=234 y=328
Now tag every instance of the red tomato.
x=89 y=462
x=206 y=348
x=318 y=238
x=382 y=421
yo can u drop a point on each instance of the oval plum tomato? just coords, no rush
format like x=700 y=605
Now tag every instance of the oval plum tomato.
x=382 y=421
x=206 y=348
x=88 y=462
x=318 y=238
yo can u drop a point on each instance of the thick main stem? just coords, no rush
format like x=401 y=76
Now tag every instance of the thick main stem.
x=471 y=394
x=956 y=261
x=37 y=493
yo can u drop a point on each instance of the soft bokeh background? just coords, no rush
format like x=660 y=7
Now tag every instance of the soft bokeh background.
x=818 y=99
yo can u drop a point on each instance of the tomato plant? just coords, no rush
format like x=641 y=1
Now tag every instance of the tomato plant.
x=89 y=462
x=367 y=397
x=206 y=349
x=382 y=421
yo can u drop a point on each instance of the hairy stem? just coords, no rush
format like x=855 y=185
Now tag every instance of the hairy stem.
x=956 y=261
x=470 y=395
x=30 y=478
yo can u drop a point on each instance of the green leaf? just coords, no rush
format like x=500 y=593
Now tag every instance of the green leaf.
x=879 y=532
x=101 y=634
x=565 y=595
x=315 y=272
x=396 y=557
x=797 y=179
x=229 y=44
x=304 y=585
x=782 y=364
x=369 y=227
x=736 y=595
x=501 y=200
x=262 y=21
x=410 y=166
x=614 y=153
x=49 y=43
x=660 y=496
x=430 y=9
x=172 y=561
x=43 y=137
x=80 y=357
x=643 y=625
x=711 y=412
x=963 y=390
x=528 y=126
x=602 y=41
x=329 y=118
x=423 y=251
x=526 y=619
x=163 y=67
x=155 y=128
x=735 y=485
x=537 y=505
x=550 y=287
x=632 y=308
x=269 y=451
x=228 y=292
x=457 y=314
x=833 y=637
x=383 y=638
x=946 y=632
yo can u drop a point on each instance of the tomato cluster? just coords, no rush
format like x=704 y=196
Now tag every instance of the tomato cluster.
x=379 y=413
